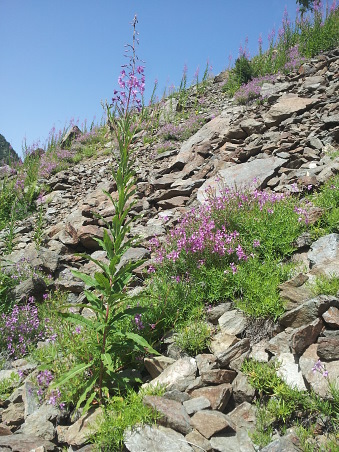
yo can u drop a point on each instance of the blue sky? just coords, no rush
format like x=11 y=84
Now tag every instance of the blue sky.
x=60 y=58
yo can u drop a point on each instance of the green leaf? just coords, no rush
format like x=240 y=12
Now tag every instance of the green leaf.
x=91 y=282
x=88 y=403
x=128 y=312
x=90 y=384
x=103 y=281
x=69 y=375
x=109 y=246
x=142 y=342
x=93 y=299
x=107 y=362
x=80 y=320
x=114 y=297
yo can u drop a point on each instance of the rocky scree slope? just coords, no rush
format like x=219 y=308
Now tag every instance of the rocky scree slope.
x=209 y=402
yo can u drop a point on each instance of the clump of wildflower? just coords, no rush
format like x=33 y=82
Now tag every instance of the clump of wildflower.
x=303 y=214
x=251 y=90
x=294 y=59
x=20 y=329
x=131 y=80
x=44 y=379
x=138 y=322
x=320 y=367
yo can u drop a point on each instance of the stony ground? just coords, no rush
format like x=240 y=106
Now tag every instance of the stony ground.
x=209 y=403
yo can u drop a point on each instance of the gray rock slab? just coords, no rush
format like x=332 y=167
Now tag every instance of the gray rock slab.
x=177 y=395
x=156 y=439
x=242 y=390
x=215 y=312
x=254 y=174
x=196 y=404
x=198 y=442
x=178 y=375
x=289 y=442
x=324 y=254
x=316 y=380
x=221 y=342
x=78 y=432
x=38 y=426
x=209 y=422
x=174 y=414
x=306 y=335
x=205 y=361
x=157 y=364
x=244 y=416
x=217 y=127
x=234 y=352
x=331 y=317
x=239 y=442
x=308 y=311
x=25 y=443
x=217 y=395
x=233 y=322
x=328 y=348
x=251 y=126
x=289 y=371
x=30 y=398
x=286 y=106
x=217 y=376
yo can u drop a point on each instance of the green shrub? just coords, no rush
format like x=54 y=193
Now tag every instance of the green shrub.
x=194 y=336
x=120 y=414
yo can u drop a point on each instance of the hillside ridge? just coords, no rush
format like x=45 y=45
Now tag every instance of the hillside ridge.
x=286 y=144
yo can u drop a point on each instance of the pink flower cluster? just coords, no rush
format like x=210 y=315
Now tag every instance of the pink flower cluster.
x=51 y=160
x=293 y=59
x=131 y=80
x=251 y=90
x=197 y=235
x=20 y=329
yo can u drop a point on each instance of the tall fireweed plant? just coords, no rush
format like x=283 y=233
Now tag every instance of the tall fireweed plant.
x=107 y=289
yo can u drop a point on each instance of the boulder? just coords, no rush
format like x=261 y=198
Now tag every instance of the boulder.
x=148 y=438
x=178 y=375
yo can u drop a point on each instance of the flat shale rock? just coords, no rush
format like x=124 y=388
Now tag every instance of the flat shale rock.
x=233 y=322
x=289 y=371
x=324 y=255
x=156 y=439
x=209 y=422
x=196 y=439
x=217 y=376
x=196 y=404
x=288 y=443
x=315 y=379
x=331 y=317
x=221 y=342
x=285 y=107
x=255 y=174
x=173 y=413
x=217 y=395
x=78 y=432
x=328 y=348
x=308 y=311
x=25 y=443
x=306 y=335
x=178 y=375
x=157 y=364
x=239 y=442
x=233 y=353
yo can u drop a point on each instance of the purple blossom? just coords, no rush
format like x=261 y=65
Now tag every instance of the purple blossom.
x=256 y=243
x=251 y=90
x=20 y=329
x=320 y=367
x=138 y=322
